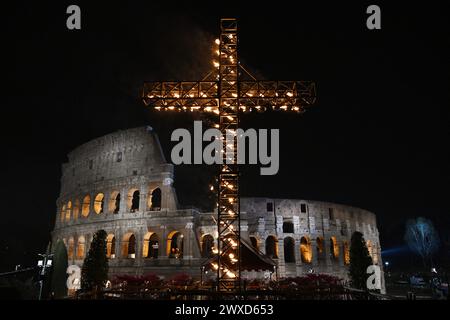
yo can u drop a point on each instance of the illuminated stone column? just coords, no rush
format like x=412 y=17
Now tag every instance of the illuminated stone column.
x=261 y=242
x=91 y=206
x=261 y=225
x=143 y=198
x=281 y=263
x=298 y=258
x=279 y=225
x=123 y=200
x=326 y=249
x=87 y=245
x=166 y=190
x=118 y=244
x=139 y=245
x=326 y=242
x=106 y=197
x=244 y=226
x=162 y=250
x=188 y=241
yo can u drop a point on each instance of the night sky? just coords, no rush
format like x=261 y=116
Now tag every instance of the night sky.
x=377 y=138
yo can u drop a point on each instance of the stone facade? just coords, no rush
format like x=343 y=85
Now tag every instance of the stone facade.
x=122 y=184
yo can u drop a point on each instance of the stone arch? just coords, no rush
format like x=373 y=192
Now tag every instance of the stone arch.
x=129 y=246
x=99 y=203
x=175 y=245
x=63 y=212
x=288 y=227
x=334 y=248
x=134 y=197
x=114 y=202
x=154 y=199
x=150 y=248
x=86 y=206
x=76 y=209
x=207 y=246
x=289 y=250
x=254 y=242
x=305 y=250
x=81 y=247
x=346 y=249
x=68 y=210
x=272 y=247
x=70 y=248
x=111 y=246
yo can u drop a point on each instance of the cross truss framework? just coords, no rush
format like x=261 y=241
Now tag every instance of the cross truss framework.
x=225 y=93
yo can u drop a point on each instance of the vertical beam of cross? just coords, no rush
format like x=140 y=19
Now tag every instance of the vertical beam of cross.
x=228 y=222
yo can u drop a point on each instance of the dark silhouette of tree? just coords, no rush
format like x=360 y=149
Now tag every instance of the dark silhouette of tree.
x=94 y=272
x=59 y=273
x=359 y=261
x=422 y=238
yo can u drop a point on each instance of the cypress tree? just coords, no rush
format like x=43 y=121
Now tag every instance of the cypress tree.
x=359 y=261
x=59 y=273
x=94 y=272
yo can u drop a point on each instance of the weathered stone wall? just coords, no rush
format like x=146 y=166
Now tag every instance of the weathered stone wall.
x=311 y=220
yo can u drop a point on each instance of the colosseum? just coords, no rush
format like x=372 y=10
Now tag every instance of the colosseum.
x=121 y=183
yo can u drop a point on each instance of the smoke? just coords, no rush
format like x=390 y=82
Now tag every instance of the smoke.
x=184 y=51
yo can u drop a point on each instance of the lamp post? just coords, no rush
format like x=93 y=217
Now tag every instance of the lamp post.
x=43 y=264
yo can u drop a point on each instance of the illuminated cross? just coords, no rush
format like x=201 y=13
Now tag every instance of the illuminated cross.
x=224 y=93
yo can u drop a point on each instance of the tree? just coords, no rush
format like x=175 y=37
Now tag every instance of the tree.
x=359 y=261
x=94 y=272
x=59 y=274
x=422 y=238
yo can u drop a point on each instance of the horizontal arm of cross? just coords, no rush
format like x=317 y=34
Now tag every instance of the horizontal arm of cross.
x=253 y=95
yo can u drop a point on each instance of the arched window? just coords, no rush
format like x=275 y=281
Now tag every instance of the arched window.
x=154 y=201
x=68 y=210
x=86 y=206
x=272 y=247
x=289 y=250
x=346 y=253
x=151 y=245
x=76 y=210
x=99 y=203
x=71 y=248
x=129 y=246
x=63 y=212
x=334 y=248
x=175 y=245
x=288 y=227
x=207 y=246
x=110 y=246
x=254 y=242
x=305 y=250
x=114 y=202
x=81 y=246
x=320 y=249
x=133 y=200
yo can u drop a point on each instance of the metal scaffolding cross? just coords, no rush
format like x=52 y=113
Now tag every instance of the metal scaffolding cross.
x=225 y=93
